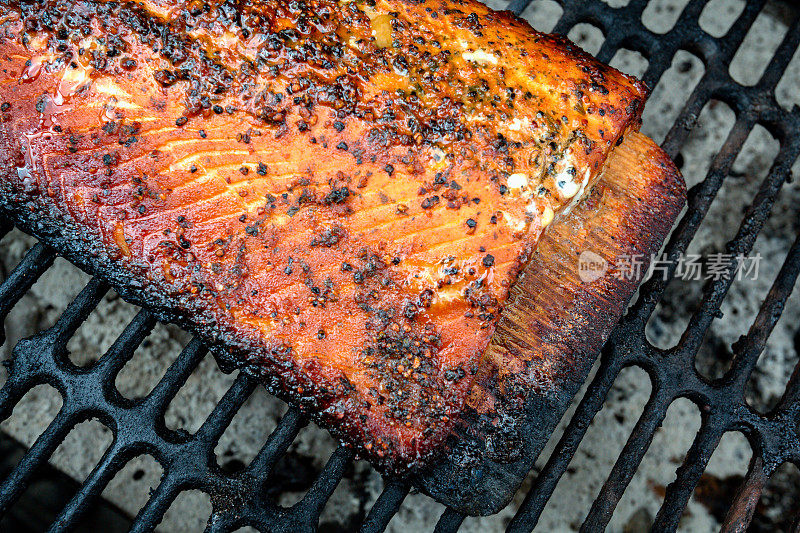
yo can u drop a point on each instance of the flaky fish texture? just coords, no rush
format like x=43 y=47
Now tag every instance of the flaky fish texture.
x=337 y=196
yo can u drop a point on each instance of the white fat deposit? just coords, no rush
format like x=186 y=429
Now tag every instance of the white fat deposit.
x=517 y=181
x=517 y=124
x=480 y=56
x=547 y=215
x=516 y=224
x=566 y=184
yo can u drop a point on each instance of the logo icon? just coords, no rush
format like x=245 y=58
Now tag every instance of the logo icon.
x=591 y=266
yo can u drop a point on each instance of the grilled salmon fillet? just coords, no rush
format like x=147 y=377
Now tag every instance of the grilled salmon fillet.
x=337 y=196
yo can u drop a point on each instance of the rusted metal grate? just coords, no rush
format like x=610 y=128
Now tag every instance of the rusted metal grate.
x=242 y=499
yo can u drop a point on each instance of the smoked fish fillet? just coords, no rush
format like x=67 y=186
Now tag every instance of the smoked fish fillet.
x=336 y=195
x=555 y=321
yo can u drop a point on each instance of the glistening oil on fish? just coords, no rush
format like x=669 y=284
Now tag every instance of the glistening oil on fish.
x=335 y=195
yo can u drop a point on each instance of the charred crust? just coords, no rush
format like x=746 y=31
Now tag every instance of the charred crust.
x=390 y=107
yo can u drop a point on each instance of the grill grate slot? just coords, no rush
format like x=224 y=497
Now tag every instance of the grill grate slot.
x=241 y=499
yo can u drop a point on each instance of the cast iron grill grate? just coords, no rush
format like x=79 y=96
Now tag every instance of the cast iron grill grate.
x=189 y=461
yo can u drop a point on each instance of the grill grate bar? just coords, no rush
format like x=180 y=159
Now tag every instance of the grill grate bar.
x=716 y=55
x=790 y=404
x=780 y=61
x=153 y=511
x=190 y=464
x=115 y=457
x=175 y=377
x=682 y=128
x=629 y=333
x=450 y=521
x=699 y=200
x=729 y=44
x=91 y=488
x=750 y=347
x=57 y=337
x=276 y=445
x=17 y=481
x=679 y=491
x=570 y=18
x=121 y=352
x=658 y=49
x=323 y=487
x=754 y=219
x=628 y=462
x=189 y=461
x=216 y=424
x=614 y=40
x=516 y=7
x=545 y=483
x=386 y=506
x=22 y=278
x=37 y=359
x=654 y=413
x=256 y=477
x=744 y=504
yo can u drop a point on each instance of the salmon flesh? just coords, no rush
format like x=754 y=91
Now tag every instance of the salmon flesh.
x=335 y=195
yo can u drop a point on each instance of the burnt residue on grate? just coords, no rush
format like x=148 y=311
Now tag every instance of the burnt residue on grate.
x=248 y=493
